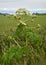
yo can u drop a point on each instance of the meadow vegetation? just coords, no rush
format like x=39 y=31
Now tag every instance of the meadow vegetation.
x=23 y=39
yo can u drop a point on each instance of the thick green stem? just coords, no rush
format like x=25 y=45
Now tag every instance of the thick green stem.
x=26 y=42
x=25 y=60
x=16 y=43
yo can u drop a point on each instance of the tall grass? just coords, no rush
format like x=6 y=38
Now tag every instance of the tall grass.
x=24 y=47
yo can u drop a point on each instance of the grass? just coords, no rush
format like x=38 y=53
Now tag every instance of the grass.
x=24 y=46
x=9 y=22
x=6 y=23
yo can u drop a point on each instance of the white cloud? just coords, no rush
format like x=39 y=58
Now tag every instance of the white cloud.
x=7 y=9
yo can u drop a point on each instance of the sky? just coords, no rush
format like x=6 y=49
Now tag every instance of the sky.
x=28 y=4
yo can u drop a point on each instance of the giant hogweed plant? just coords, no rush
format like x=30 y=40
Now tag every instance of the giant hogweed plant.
x=24 y=47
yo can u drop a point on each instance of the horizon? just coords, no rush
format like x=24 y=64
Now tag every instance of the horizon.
x=13 y=10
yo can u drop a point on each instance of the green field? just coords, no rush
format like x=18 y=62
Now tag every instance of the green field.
x=9 y=22
x=23 y=44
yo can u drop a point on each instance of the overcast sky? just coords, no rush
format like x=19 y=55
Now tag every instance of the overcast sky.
x=28 y=4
